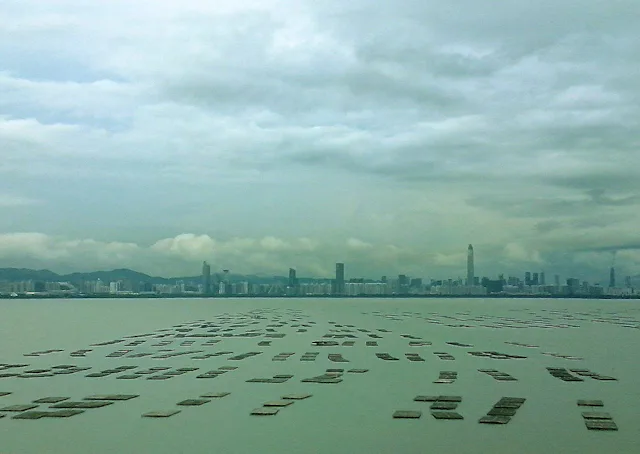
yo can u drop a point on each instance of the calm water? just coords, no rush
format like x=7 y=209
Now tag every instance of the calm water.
x=354 y=416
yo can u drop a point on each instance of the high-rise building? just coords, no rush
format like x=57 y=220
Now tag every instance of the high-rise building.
x=470 y=266
x=225 y=284
x=535 y=280
x=627 y=281
x=542 y=278
x=206 y=278
x=573 y=285
x=293 y=280
x=527 y=278
x=339 y=289
x=403 y=284
x=612 y=277
x=556 y=280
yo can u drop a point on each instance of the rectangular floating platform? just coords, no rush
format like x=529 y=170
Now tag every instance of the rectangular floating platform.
x=414 y=357
x=161 y=414
x=265 y=411
x=600 y=424
x=278 y=403
x=115 y=397
x=386 y=357
x=590 y=403
x=23 y=407
x=444 y=406
x=337 y=358
x=596 y=415
x=322 y=379
x=426 y=398
x=83 y=404
x=193 y=402
x=48 y=414
x=407 y=414
x=494 y=420
x=497 y=411
x=217 y=395
x=446 y=415
x=50 y=400
x=512 y=400
x=296 y=396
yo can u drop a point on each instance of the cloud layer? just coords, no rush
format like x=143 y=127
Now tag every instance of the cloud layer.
x=416 y=127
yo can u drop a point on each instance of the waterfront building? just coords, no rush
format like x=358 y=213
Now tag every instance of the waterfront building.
x=339 y=282
x=206 y=278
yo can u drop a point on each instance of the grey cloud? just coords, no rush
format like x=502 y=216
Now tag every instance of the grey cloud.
x=450 y=122
x=615 y=248
x=575 y=208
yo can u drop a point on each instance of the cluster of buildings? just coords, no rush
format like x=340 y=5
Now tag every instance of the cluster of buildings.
x=222 y=284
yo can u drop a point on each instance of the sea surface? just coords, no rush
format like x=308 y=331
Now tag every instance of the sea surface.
x=351 y=412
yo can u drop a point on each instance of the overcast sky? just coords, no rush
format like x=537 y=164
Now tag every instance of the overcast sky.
x=264 y=134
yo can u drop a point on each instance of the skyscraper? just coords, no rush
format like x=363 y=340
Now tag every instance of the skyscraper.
x=470 y=266
x=403 y=284
x=227 y=283
x=612 y=277
x=339 y=278
x=293 y=282
x=206 y=278
x=542 y=279
x=292 y=277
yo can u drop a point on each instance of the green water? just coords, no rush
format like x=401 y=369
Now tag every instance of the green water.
x=354 y=416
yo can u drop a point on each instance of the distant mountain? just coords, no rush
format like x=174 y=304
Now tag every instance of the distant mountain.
x=123 y=274
x=24 y=274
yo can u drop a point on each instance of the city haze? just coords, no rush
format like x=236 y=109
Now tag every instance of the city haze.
x=260 y=136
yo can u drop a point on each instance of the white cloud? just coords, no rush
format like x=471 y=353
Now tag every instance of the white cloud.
x=518 y=253
x=10 y=201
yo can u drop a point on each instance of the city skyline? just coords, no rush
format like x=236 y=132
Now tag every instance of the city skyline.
x=221 y=283
x=445 y=272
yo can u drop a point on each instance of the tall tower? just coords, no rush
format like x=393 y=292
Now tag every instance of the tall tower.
x=612 y=277
x=206 y=278
x=470 y=268
x=293 y=282
x=339 y=278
